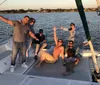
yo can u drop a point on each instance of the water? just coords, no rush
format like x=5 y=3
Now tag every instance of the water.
x=46 y=21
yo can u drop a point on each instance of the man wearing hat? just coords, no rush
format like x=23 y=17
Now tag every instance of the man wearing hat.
x=39 y=44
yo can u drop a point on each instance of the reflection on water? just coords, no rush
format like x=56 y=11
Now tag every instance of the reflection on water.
x=47 y=20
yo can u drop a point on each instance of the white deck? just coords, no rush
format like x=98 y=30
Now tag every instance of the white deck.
x=21 y=70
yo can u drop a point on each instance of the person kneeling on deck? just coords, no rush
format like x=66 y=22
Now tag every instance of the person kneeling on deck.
x=71 y=60
x=58 y=50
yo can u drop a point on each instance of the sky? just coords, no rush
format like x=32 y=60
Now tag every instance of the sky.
x=50 y=4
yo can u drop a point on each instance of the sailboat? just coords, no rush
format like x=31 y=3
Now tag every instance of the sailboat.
x=48 y=74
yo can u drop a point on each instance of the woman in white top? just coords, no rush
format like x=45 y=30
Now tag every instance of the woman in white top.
x=71 y=30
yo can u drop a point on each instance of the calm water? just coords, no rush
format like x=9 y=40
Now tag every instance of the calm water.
x=47 y=20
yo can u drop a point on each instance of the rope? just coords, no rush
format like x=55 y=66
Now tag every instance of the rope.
x=3 y=2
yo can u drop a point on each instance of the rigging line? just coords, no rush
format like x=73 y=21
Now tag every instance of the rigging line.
x=3 y=2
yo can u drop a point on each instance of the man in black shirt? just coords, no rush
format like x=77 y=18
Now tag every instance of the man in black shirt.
x=39 y=44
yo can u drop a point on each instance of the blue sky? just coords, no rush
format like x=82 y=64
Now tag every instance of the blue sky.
x=37 y=4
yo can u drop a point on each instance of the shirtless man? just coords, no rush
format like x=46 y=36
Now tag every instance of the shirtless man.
x=58 y=50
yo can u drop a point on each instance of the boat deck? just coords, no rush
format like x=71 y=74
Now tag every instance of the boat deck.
x=16 y=79
x=21 y=70
x=49 y=73
x=55 y=70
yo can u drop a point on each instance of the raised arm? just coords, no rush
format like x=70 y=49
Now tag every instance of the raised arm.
x=62 y=52
x=6 y=20
x=65 y=29
x=55 y=35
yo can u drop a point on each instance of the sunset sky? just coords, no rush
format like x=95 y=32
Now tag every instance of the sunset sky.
x=37 y=4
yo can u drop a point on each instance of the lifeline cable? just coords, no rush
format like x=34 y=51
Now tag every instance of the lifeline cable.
x=3 y=2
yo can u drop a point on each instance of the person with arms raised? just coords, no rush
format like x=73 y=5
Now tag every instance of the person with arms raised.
x=57 y=51
x=71 y=31
x=21 y=29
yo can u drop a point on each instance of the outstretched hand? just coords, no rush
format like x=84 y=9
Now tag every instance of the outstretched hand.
x=37 y=39
x=61 y=27
x=54 y=28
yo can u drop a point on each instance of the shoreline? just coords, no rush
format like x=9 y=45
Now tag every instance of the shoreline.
x=41 y=10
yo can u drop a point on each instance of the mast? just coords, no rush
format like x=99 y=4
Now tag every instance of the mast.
x=86 y=29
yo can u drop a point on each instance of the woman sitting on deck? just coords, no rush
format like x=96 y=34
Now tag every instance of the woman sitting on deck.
x=58 y=50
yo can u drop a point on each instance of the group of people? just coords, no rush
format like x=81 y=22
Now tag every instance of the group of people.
x=24 y=37
x=22 y=30
x=59 y=50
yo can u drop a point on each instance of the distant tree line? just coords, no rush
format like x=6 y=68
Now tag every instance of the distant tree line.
x=44 y=10
x=17 y=11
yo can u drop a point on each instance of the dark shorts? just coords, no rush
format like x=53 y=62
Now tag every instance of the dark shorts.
x=35 y=42
x=70 y=59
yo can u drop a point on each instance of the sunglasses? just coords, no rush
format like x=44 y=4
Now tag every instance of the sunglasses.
x=70 y=43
